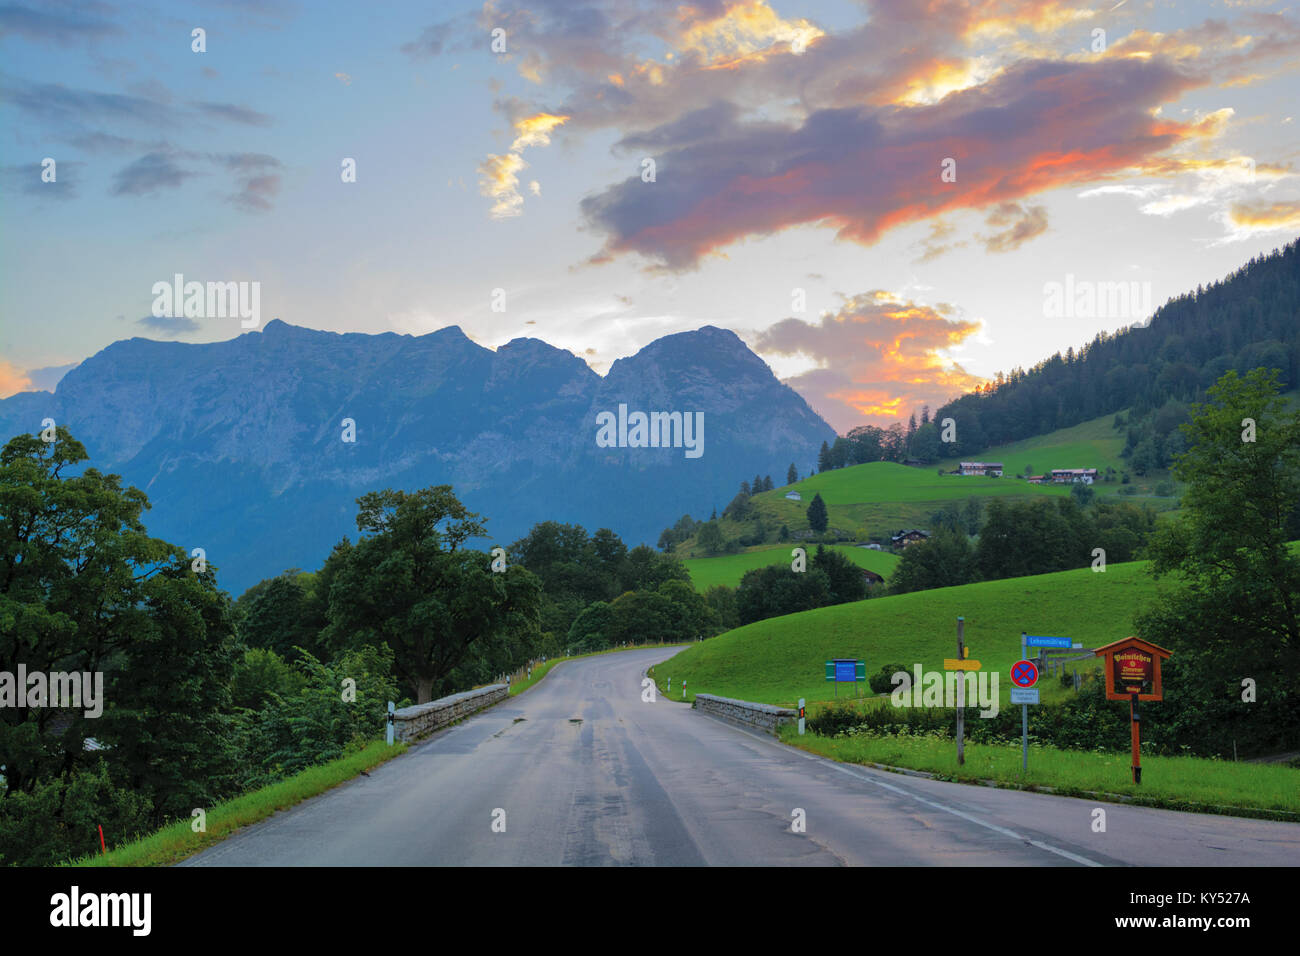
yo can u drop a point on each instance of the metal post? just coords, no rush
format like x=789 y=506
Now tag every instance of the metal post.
x=1024 y=737
x=961 y=692
x=1137 y=741
x=1024 y=714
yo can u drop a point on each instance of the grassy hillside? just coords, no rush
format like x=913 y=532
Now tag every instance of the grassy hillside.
x=728 y=569
x=1092 y=444
x=879 y=498
x=779 y=660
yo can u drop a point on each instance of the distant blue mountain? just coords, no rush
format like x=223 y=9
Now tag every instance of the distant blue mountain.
x=239 y=444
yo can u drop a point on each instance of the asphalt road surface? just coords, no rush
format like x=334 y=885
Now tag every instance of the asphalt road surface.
x=589 y=775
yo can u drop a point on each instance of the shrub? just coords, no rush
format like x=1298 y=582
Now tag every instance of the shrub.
x=882 y=681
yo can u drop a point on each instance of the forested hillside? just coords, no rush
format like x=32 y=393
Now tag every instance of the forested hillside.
x=1247 y=320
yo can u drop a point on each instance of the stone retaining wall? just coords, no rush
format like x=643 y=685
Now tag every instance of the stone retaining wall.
x=765 y=717
x=419 y=720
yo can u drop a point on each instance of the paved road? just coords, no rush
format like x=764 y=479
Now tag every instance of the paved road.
x=589 y=775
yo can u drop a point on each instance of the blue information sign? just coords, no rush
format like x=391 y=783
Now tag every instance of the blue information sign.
x=846 y=670
x=1047 y=641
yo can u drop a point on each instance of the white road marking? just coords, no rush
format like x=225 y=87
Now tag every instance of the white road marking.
x=1084 y=861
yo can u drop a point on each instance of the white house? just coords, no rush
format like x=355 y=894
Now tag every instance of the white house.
x=982 y=468
x=793 y=496
x=1071 y=475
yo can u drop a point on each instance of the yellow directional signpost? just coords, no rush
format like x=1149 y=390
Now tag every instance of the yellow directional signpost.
x=961 y=662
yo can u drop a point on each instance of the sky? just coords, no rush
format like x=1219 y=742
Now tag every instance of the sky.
x=886 y=199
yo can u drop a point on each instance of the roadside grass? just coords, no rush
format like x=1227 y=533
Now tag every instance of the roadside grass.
x=1178 y=783
x=779 y=660
x=177 y=841
x=728 y=569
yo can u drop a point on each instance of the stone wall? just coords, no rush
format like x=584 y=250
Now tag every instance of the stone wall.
x=764 y=717
x=412 y=723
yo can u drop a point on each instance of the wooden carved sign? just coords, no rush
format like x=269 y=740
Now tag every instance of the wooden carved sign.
x=1133 y=666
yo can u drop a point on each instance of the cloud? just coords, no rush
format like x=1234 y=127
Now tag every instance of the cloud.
x=876 y=359
x=343 y=78
x=1019 y=224
x=169 y=325
x=933 y=245
x=258 y=185
x=62 y=26
x=56 y=103
x=1264 y=216
x=47 y=379
x=803 y=109
x=234 y=113
x=256 y=193
x=13 y=379
x=27 y=178
x=535 y=131
x=94 y=141
x=148 y=174
x=1035 y=127
x=498 y=179
x=499 y=174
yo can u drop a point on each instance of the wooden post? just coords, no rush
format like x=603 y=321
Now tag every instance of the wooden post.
x=1137 y=741
x=961 y=693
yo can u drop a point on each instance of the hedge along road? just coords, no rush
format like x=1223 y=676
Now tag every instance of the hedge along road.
x=589 y=774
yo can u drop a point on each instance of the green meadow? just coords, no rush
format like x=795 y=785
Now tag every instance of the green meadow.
x=779 y=660
x=1090 y=444
x=880 y=498
x=728 y=569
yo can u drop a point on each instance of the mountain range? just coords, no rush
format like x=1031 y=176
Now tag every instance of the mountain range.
x=240 y=445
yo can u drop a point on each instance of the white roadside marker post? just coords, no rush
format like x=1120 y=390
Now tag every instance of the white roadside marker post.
x=390 y=723
x=801 y=713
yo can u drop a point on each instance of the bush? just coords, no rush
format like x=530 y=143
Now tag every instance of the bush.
x=60 y=820
x=317 y=724
x=882 y=682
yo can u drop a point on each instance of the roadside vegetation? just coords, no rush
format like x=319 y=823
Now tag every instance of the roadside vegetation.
x=1176 y=783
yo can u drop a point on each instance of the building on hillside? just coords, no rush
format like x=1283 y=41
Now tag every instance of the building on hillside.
x=1037 y=479
x=793 y=496
x=872 y=546
x=1065 y=476
x=59 y=725
x=872 y=578
x=916 y=462
x=909 y=537
x=993 y=468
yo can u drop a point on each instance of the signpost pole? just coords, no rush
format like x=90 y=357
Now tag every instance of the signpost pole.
x=961 y=693
x=1137 y=753
x=1024 y=718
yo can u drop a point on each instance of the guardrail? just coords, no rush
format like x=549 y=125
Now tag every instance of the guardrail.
x=763 y=716
x=419 y=720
